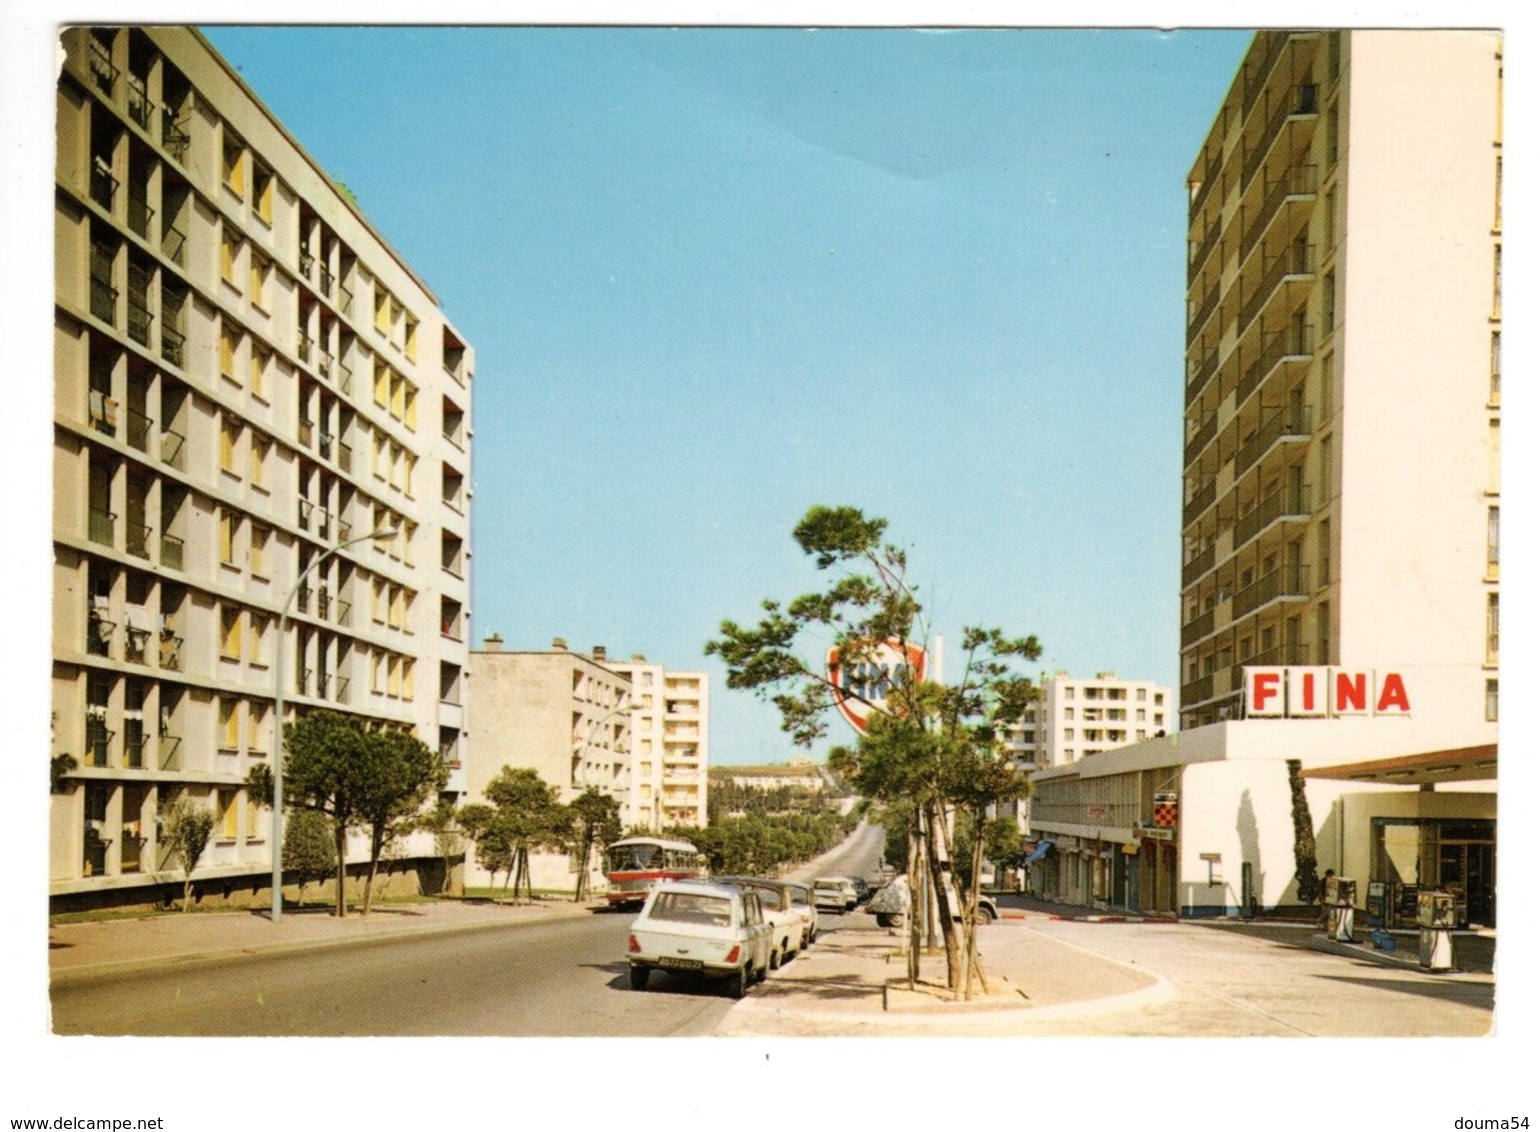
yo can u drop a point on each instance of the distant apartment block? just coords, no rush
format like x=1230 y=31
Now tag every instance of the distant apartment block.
x=798 y=774
x=1344 y=355
x=247 y=378
x=670 y=725
x=1076 y=717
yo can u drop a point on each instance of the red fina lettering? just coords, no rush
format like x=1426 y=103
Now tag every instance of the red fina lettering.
x=1307 y=695
x=1393 y=694
x=1352 y=691
x=1264 y=686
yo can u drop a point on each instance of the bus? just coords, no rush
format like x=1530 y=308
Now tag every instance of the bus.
x=634 y=863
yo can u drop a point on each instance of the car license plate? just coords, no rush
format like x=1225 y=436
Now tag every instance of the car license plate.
x=680 y=964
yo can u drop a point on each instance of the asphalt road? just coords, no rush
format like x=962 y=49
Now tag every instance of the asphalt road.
x=558 y=978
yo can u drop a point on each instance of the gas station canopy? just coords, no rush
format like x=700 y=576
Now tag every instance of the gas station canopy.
x=1459 y=764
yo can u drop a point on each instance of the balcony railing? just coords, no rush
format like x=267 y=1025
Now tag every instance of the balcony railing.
x=324 y=363
x=324 y=445
x=306 y=262
x=1199 y=690
x=1290 y=343
x=173 y=344
x=306 y=347
x=140 y=108
x=104 y=186
x=173 y=449
x=173 y=134
x=140 y=214
x=306 y=431
x=170 y=651
x=1198 y=566
x=302 y=681
x=1297 y=260
x=99 y=634
x=1284 y=582
x=1282 y=502
x=1199 y=440
x=345 y=301
x=1200 y=502
x=102 y=526
x=1256 y=81
x=342 y=687
x=1297 y=181
x=139 y=431
x=173 y=242
x=345 y=457
x=1203 y=309
x=98 y=738
x=326 y=281
x=1290 y=421
x=104 y=72
x=139 y=318
x=136 y=539
x=104 y=299
x=170 y=751
x=133 y=745
x=1198 y=628
x=344 y=379
x=305 y=508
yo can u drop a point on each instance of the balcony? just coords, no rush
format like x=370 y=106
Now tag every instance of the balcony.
x=140 y=214
x=327 y=281
x=345 y=301
x=173 y=344
x=136 y=539
x=104 y=72
x=1289 y=423
x=139 y=431
x=1198 y=628
x=306 y=432
x=139 y=318
x=344 y=379
x=99 y=633
x=1200 y=502
x=302 y=681
x=173 y=243
x=345 y=457
x=1287 y=345
x=1198 y=566
x=98 y=738
x=140 y=108
x=1295 y=264
x=1299 y=182
x=305 y=508
x=173 y=449
x=170 y=651
x=133 y=744
x=324 y=363
x=306 y=262
x=102 y=526
x=1285 y=502
x=104 y=298
x=341 y=688
x=306 y=347
x=104 y=186
x=1200 y=439
x=170 y=751
x=1287 y=583
x=173 y=134
x=1204 y=308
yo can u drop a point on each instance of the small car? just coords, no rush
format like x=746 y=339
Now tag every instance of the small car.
x=715 y=930
x=834 y=892
x=788 y=924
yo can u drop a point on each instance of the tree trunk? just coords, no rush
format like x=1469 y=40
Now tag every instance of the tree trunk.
x=582 y=881
x=939 y=871
x=340 y=836
x=187 y=893
x=916 y=897
x=376 y=846
x=970 y=918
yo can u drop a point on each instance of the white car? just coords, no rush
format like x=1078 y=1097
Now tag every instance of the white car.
x=715 y=930
x=834 y=892
x=790 y=923
x=890 y=904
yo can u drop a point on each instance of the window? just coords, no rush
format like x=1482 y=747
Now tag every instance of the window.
x=229 y=724
x=1329 y=302
x=376 y=673
x=253 y=818
x=381 y=385
x=1497 y=367
x=262 y=192
x=228 y=814
x=228 y=439
x=411 y=330
x=260 y=357
x=1497 y=222
x=1492 y=700
x=1323 y=554
x=1492 y=636
x=234 y=166
x=230 y=632
x=1323 y=633
x=409 y=409
x=1492 y=526
x=260 y=447
x=260 y=268
x=228 y=345
x=256 y=556
x=381 y=309
x=256 y=643
x=407 y=667
x=1497 y=281
x=1494 y=455
x=227 y=538
x=393 y=688
x=1331 y=135
x=229 y=256
x=397 y=606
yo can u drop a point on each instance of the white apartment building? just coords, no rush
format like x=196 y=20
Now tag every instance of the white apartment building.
x=249 y=381
x=1341 y=499
x=1078 y=716
x=670 y=745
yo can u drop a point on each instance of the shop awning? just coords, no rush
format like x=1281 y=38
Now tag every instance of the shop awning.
x=1458 y=764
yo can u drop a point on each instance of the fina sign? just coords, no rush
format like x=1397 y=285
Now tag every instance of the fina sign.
x=861 y=686
x=1321 y=692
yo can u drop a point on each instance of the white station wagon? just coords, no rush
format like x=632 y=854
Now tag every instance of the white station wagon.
x=710 y=929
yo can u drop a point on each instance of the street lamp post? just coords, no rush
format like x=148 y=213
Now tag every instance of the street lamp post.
x=283 y=624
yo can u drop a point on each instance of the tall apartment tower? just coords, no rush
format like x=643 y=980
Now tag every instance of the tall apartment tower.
x=249 y=382
x=1340 y=500
x=1080 y=716
x=670 y=718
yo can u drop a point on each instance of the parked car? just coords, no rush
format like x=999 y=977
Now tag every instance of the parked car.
x=890 y=904
x=863 y=890
x=715 y=930
x=834 y=892
x=788 y=925
x=802 y=901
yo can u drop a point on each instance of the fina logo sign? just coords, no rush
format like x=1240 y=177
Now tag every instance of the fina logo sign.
x=1321 y=692
x=861 y=686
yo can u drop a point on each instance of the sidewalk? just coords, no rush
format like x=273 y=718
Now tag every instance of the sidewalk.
x=100 y=946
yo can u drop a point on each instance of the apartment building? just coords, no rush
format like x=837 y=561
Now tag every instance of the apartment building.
x=1076 y=716
x=1341 y=502
x=670 y=725
x=250 y=383
x=1344 y=343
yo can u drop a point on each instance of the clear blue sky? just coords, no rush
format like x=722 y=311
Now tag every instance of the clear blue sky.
x=716 y=276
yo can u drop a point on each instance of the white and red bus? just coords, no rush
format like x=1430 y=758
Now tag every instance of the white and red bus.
x=633 y=864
